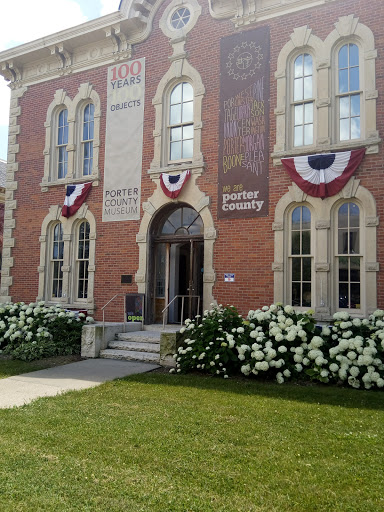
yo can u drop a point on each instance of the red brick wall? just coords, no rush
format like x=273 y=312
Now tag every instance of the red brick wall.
x=245 y=247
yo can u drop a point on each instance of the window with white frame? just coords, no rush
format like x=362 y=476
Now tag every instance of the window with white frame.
x=61 y=146
x=82 y=263
x=348 y=92
x=87 y=139
x=57 y=260
x=348 y=256
x=300 y=257
x=303 y=100
x=180 y=122
x=72 y=137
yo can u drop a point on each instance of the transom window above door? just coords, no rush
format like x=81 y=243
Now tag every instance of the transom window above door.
x=184 y=221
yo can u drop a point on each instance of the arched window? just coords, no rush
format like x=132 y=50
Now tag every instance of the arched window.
x=348 y=256
x=87 y=139
x=83 y=260
x=184 y=221
x=303 y=100
x=349 y=92
x=180 y=122
x=57 y=260
x=62 y=141
x=300 y=257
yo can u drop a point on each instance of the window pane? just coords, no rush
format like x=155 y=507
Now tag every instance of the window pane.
x=299 y=115
x=187 y=92
x=86 y=250
x=307 y=65
x=353 y=55
x=344 y=129
x=343 y=80
x=176 y=94
x=187 y=112
x=355 y=128
x=354 y=79
x=354 y=242
x=298 y=136
x=175 y=134
x=188 y=149
x=306 y=269
x=344 y=107
x=296 y=294
x=343 y=295
x=175 y=116
x=306 y=221
x=65 y=139
x=296 y=269
x=175 y=150
x=343 y=215
x=306 y=242
x=343 y=269
x=355 y=105
x=343 y=241
x=355 y=296
x=299 y=66
x=298 y=89
x=188 y=131
x=296 y=216
x=308 y=134
x=354 y=213
x=355 y=270
x=307 y=87
x=343 y=57
x=308 y=109
x=295 y=242
x=306 y=301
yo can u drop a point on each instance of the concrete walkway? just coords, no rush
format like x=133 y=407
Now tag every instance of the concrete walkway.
x=22 y=389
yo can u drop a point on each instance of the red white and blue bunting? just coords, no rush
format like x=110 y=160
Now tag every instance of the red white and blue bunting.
x=172 y=185
x=323 y=175
x=74 y=198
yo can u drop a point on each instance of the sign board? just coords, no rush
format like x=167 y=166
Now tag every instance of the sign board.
x=229 y=278
x=244 y=125
x=134 y=307
x=124 y=141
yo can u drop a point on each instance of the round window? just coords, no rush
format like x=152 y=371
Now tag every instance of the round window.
x=180 y=18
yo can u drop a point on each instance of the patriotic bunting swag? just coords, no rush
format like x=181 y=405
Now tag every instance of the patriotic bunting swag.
x=172 y=185
x=74 y=198
x=323 y=175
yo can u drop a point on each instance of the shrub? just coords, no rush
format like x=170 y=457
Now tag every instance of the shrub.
x=33 y=331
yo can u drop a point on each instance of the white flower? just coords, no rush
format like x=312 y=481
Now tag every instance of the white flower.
x=240 y=330
x=279 y=378
x=246 y=369
x=212 y=363
x=289 y=310
x=298 y=358
x=351 y=355
x=172 y=370
x=286 y=373
x=334 y=367
x=225 y=376
x=298 y=367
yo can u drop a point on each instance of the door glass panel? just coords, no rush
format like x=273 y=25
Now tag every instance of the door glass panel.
x=160 y=270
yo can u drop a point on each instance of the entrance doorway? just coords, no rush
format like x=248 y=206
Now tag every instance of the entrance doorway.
x=178 y=265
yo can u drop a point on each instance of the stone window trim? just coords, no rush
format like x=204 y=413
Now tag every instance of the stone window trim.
x=179 y=71
x=86 y=94
x=166 y=23
x=70 y=226
x=324 y=226
x=348 y=29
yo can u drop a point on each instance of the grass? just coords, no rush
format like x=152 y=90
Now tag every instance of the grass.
x=166 y=443
x=9 y=367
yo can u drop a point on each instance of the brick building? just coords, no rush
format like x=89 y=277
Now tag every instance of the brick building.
x=224 y=89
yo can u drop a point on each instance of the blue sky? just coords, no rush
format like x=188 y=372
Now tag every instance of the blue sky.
x=72 y=12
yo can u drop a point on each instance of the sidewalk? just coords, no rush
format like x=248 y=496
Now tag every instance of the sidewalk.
x=22 y=389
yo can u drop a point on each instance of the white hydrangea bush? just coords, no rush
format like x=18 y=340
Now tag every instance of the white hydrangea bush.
x=37 y=330
x=276 y=342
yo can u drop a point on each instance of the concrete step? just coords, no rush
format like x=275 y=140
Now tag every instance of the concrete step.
x=138 y=346
x=140 y=336
x=159 y=327
x=130 y=355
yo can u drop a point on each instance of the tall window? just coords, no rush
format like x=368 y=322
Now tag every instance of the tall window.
x=87 y=138
x=349 y=92
x=62 y=141
x=83 y=260
x=301 y=260
x=348 y=256
x=303 y=100
x=181 y=122
x=57 y=261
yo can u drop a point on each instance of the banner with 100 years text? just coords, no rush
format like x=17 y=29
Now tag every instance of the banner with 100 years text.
x=124 y=141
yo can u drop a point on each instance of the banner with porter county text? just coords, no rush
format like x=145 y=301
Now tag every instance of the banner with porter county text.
x=244 y=125
x=124 y=141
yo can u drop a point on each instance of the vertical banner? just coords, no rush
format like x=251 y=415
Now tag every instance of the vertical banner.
x=244 y=125
x=124 y=141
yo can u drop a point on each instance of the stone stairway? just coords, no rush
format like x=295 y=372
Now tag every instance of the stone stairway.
x=138 y=345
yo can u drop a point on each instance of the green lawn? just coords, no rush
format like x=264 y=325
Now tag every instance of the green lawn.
x=9 y=367
x=160 y=443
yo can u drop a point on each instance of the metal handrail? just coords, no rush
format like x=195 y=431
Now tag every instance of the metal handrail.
x=182 y=306
x=103 y=308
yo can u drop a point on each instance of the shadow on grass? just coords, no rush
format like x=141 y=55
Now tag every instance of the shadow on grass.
x=311 y=393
